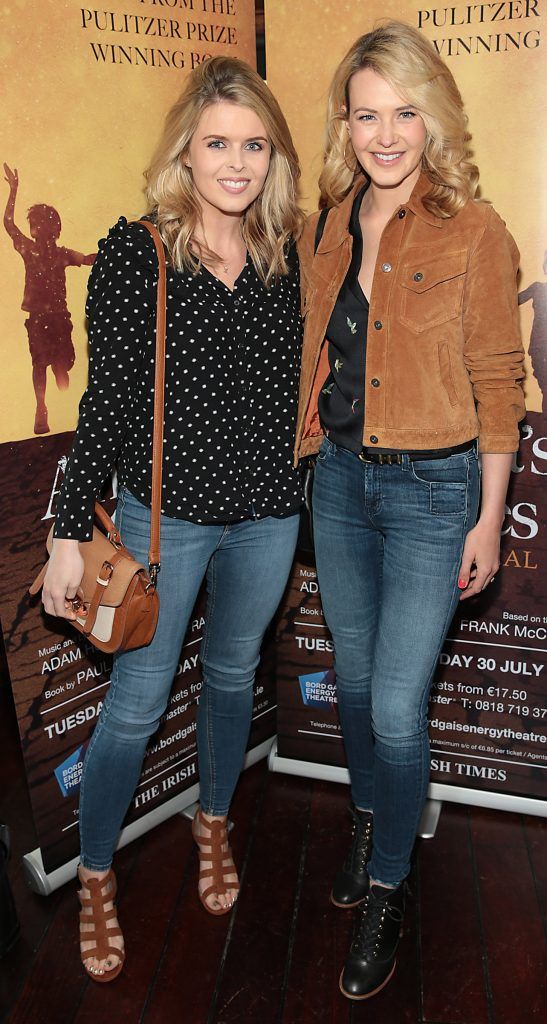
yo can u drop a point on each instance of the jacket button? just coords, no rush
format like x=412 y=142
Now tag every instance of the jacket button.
x=373 y=439
x=375 y=382
x=419 y=276
x=402 y=213
x=378 y=325
x=386 y=267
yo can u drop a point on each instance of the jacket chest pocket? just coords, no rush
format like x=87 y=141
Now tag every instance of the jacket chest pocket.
x=431 y=290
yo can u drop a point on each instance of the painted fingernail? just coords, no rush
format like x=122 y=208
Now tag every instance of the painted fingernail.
x=462 y=583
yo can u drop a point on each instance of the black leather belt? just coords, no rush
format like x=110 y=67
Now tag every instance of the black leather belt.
x=396 y=458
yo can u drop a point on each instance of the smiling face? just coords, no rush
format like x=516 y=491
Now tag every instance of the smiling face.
x=388 y=135
x=229 y=157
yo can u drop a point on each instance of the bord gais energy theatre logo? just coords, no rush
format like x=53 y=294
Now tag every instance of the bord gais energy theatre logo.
x=318 y=689
x=69 y=773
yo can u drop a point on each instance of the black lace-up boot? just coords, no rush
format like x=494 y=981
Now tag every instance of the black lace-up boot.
x=351 y=883
x=371 y=959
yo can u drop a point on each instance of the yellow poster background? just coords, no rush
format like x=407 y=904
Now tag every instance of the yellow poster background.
x=497 y=55
x=84 y=95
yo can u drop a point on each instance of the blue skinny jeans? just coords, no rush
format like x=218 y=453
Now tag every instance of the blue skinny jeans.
x=246 y=566
x=389 y=541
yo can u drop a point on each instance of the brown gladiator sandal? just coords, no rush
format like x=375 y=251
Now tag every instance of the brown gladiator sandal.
x=102 y=891
x=222 y=864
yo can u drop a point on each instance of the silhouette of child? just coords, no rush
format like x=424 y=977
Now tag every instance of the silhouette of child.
x=49 y=326
x=537 y=350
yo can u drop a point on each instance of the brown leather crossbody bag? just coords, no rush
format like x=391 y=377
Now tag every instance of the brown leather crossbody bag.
x=117 y=598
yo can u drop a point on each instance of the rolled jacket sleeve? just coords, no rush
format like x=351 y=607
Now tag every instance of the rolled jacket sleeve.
x=493 y=352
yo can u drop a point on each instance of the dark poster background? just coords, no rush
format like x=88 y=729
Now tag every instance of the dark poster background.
x=59 y=682
x=488 y=708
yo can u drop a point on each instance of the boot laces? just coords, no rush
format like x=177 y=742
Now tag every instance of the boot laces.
x=374 y=912
x=360 y=845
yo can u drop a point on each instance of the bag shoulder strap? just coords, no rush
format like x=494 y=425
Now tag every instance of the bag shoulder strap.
x=154 y=561
x=320 y=227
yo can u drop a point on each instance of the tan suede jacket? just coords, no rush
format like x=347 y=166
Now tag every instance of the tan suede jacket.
x=444 y=361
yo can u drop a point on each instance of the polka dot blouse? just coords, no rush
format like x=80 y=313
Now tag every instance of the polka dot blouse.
x=231 y=385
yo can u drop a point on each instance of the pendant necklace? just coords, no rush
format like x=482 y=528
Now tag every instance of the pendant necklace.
x=225 y=265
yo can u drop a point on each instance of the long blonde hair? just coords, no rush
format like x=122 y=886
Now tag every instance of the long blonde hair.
x=272 y=218
x=410 y=63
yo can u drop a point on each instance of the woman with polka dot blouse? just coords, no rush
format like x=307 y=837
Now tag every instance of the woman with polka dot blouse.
x=222 y=190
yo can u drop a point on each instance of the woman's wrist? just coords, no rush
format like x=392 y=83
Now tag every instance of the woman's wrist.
x=492 y=518
x=64 y=543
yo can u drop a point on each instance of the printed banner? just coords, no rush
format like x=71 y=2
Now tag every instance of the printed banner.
x=488 y=708
x=59 y=681
x=85 y=94
x=489 y=704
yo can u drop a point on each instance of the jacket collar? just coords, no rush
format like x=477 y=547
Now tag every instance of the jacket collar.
x=415 y=203
x=337 y=223
x=336 y=227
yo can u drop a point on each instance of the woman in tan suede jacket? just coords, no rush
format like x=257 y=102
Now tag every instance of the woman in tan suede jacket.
x=412 y=365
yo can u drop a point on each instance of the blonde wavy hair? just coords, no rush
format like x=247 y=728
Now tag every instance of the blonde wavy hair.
x=409 y=62
x=272 y=219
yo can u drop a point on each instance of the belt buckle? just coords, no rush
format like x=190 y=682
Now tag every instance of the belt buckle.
x=364 y=458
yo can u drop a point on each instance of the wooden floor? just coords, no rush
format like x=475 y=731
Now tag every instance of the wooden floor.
x=473 y=950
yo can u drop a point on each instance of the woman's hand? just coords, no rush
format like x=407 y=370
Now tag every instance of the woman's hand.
x=480 y=560
x=63 y=577
x=481 y=553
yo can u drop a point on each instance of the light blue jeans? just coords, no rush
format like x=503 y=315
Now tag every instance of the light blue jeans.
x=389 y=542
x=246 y=565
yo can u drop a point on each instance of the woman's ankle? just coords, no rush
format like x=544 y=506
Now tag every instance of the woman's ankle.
x=213 y=817
x=84 y=874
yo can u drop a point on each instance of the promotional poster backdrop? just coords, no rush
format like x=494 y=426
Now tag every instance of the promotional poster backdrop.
x=488 y=708
x=59 y=682
x=502 y=79
x=85 y=94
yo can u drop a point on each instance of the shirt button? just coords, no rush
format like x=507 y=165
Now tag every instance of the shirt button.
x=402 y=213
x=386 y=267
x=378 y=325
x=375 y=382
x=373 y=438
x=419 y=276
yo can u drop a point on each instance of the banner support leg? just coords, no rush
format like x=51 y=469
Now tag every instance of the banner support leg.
x=430 y=819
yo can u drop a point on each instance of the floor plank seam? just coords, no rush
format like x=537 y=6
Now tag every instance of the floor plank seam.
x=233 y=916
x=533 y=873
x=483 y=942
x=294 y=918
x=419 y=953
x=34 y=953
x=168 y=931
